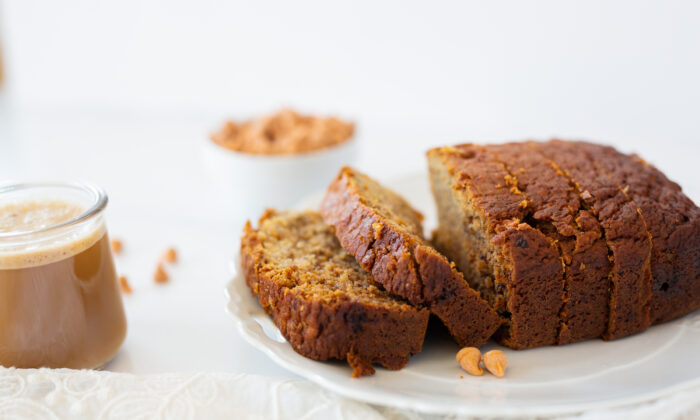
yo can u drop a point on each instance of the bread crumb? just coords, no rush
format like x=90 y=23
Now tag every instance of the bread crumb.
x=160 y=276
x=117 y=246
x=641 y=161
x=124 y=284
x=170 y=255
x=556 y=168
x=377 y=230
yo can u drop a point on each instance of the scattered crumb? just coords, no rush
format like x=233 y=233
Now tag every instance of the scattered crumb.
x=523 y=204
x=642 y=161
x=124 y=284
x=377 y=230
x=117 y=246
x=511 y=180
x=170 y=255
x=461 y=376
x=160 y=276
x=556 y=168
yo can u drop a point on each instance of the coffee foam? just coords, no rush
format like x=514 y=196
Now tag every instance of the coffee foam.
x=35 y=249
x=31 y=215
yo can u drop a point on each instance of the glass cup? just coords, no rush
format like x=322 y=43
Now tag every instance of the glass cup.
x=60 y=302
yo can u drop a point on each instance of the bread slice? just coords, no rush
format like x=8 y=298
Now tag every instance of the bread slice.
x=482 y=228
x=323 y=302
x=385 y=235
x=673 y=223
x=625 y=230
x=553 y=206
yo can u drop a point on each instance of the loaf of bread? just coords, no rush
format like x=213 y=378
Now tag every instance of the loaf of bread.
x=385 y=235
x=567 y=240
x=323 y=302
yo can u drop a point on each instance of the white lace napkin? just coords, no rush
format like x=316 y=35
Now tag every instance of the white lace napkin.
x=84 y=394
x=77 y=394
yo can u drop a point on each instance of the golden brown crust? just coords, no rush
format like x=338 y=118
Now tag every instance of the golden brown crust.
x=554 y=208
x=319 y=321
x=468 y=317
x=382 y=232
x=514 y=265
x=625 y=232
x=673 y=222
x=613 y=203
x=533 y=289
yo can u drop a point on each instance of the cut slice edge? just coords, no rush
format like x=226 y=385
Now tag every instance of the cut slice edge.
x=321 y=318
x=480 y=229
x=401 y=259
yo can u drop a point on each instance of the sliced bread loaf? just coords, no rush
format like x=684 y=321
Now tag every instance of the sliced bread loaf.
x=482 y=228
x=568 y=240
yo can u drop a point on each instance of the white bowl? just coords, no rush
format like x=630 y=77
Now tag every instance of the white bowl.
x=244 y=184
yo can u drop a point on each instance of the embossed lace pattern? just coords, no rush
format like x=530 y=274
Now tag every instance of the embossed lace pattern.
x=69 y=394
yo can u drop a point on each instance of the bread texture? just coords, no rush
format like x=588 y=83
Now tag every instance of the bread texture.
x=554 y=208
x=482 y=228
x=625 y=230
x=672 y=221
x=385 y=235
x=323 y=302
x=568 y=240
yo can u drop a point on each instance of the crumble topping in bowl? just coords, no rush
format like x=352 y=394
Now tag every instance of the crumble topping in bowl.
x=285 y=132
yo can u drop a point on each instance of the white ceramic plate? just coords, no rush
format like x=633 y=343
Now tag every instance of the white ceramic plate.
x=542 y=381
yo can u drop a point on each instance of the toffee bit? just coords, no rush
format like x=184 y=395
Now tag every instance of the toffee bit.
x=495 y=362
x=160 y=276
x=116 y=246
x=124 y=284
x=170 y=255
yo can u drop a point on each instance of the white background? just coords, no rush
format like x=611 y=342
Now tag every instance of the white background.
x=123 y=93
